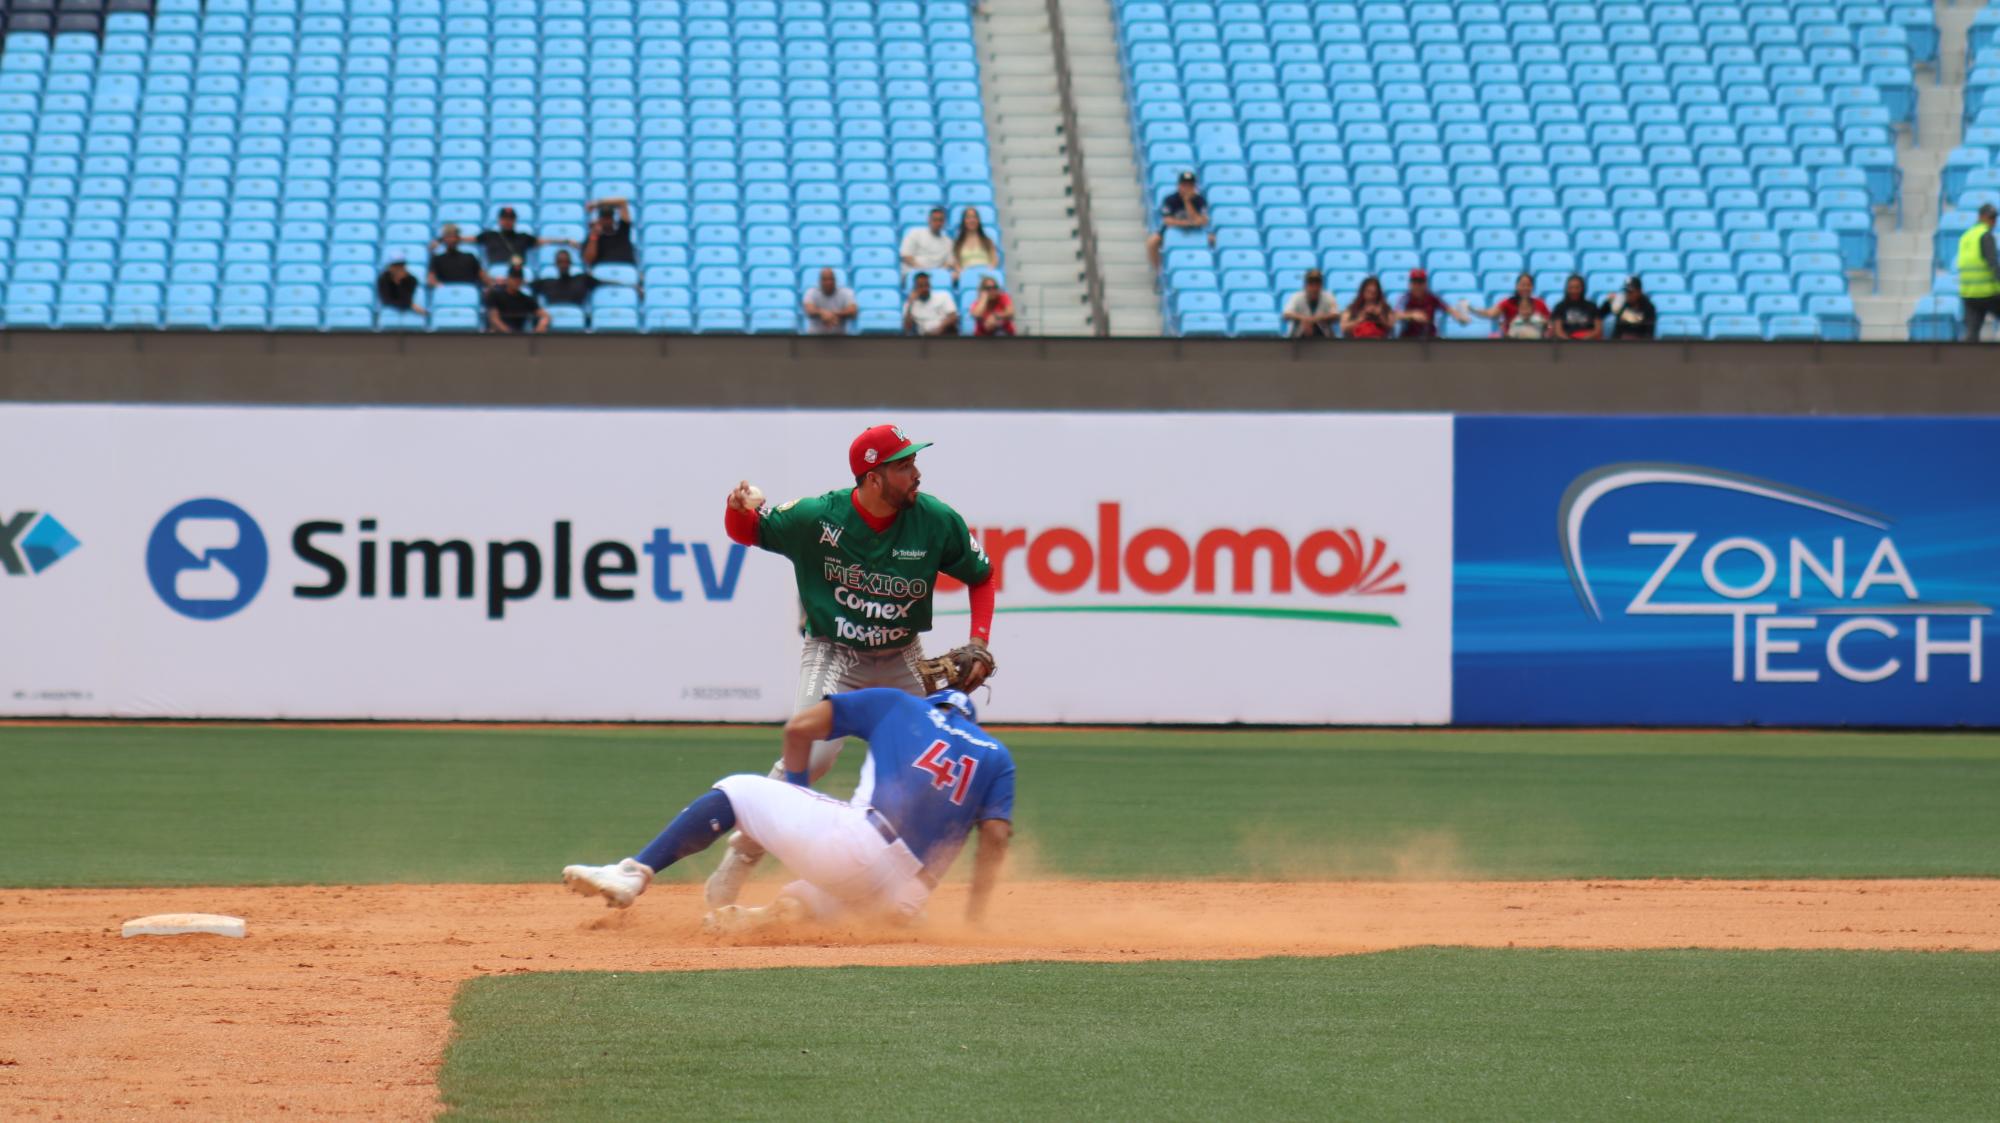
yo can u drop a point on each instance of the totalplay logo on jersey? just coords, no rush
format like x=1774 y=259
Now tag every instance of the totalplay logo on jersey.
x=1210 y=570
x=1722 y=571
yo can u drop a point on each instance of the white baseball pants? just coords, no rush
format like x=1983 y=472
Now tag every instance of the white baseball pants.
x=839 y=853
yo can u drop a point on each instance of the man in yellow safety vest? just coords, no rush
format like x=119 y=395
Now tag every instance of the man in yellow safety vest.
x=1979 y=273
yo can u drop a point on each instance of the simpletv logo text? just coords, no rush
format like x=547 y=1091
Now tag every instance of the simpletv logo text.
x=1800 y=606
x=206 y=560
x=362 y=564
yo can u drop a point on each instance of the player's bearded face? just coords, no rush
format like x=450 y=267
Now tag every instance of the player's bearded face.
x=899 y=483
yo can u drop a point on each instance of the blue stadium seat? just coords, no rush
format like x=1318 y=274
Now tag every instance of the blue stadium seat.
x=260 y=150
x=1936 y=320
x=1748 y=133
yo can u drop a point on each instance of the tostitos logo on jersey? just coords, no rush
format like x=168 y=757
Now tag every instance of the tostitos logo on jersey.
x=1257 y=562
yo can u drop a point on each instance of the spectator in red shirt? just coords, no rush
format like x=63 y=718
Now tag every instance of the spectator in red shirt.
x=1422 y=307
x=992 y=310
x=1369 y=316
x=1521 y=316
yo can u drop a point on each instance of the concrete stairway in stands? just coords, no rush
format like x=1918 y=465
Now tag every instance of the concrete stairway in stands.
x=1903 y=251
x=1043 y=251
x=1111 y=171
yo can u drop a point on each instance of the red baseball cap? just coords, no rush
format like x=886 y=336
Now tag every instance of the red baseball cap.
x=878 y=446
x=1419 y=275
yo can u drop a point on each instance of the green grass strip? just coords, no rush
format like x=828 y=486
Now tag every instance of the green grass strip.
x=1425 y=1034
x=196 y=805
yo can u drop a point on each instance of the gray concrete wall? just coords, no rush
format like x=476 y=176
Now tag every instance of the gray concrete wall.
x=1148 y=374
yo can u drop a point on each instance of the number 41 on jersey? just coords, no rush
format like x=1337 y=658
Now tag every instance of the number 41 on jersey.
x=953 y=774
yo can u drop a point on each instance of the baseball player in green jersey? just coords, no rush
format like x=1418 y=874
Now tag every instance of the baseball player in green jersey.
x=867 y=560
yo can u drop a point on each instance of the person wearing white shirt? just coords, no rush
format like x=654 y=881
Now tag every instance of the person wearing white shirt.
x=928 y=312
x=928 y=247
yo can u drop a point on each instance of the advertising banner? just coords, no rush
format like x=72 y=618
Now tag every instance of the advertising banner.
x=1693 y=571
x=571 y=564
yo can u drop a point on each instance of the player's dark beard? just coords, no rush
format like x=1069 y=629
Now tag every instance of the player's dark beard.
x=902 y=499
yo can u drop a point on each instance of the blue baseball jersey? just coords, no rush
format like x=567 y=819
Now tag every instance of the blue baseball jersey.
x=932 y=772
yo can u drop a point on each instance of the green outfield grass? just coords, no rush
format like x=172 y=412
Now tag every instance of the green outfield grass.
x=256 y=805
x=1424 y=1034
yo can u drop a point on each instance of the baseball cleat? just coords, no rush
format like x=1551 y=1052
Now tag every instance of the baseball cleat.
x=726 y=883
x=619 y=885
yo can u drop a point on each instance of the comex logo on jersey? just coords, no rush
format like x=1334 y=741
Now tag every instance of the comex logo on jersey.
x=32 y=541
x=1841 y=568
x=207 y=559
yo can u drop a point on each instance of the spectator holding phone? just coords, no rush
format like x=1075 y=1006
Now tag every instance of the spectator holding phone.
x=992 y=310
x=1368 y=316
x=610 y=240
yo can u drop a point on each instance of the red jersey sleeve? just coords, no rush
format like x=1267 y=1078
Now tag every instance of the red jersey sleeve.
x=982 y=609
x=740 y=525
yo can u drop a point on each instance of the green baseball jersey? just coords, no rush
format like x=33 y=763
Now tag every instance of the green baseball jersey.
x=864 y=589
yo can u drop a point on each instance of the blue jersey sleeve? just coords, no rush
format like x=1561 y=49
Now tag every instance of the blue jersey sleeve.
x=999 y=801
x=856 y=713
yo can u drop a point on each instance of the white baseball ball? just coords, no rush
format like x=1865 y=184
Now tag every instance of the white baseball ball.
x=753 y=497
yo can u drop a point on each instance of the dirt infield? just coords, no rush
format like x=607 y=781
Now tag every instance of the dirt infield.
x=338 y=1002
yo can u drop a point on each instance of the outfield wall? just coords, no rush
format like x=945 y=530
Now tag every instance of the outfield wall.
x=796 y=372
x=375 y=562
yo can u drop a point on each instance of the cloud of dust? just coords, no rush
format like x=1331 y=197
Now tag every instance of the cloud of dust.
x=1110 y=920
x=1435 y=854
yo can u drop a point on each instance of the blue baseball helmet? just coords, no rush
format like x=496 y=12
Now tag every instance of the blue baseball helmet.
x=955 y=699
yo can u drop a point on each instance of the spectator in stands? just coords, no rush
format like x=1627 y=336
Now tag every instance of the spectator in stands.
x=507 y=244
x=1979 y=273
x=1631 y=312
x=927 y=312
x=928 y=246
x=610 y=239
x=567 y=287
x=511 y=309
x=397 y=288
x=992 y=309
x=1310 y=313
x=971 y=248
x=829 y=306
x=453 y=266
x=1186 y=208
x=1521 y=316
x=1368 y=316
x=1418 y=318
x=1576 y=316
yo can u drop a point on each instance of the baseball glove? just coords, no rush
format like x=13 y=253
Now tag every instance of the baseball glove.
x=961 y=668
